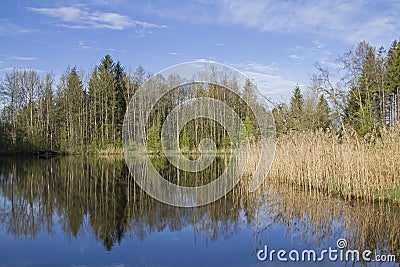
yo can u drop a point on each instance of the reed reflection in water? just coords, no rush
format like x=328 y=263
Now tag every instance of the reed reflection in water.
x=97 y=197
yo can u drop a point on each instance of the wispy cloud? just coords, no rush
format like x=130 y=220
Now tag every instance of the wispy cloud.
x=271 y=84
x=340 y=19
x=210 y=60
x=81 y=17
x=274 y=87
x=376 y=29
x=315 y=49
x=110 y=49
x=9 y=28
x=19 y=58
x=256 y=67
x=349 y=21
x=83 y=45
x=296 y=57
x=9 y=69
x=174 y=53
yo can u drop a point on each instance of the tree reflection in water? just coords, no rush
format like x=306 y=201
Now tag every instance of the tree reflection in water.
x=97 y=196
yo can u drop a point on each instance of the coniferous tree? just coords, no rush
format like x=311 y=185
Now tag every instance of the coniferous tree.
x=296 y=110
x=363 y=106
x=36 y=116
x=392 y=89
x=281 y=115
x=322 y=113
x=74 y=106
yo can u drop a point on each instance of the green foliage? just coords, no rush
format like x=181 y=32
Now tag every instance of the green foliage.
x=40 y=115
x=281 y=116
x=37 y=113
x=393 y=67
x=296 y=114
x=360 y=109
x=153 y=140
x=297 y=100
x=322 y=114
x=185 y=142
x=303 y=114
x=200 y=128
x=248 y=129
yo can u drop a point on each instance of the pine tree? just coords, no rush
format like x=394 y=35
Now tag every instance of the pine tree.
x=281 y=118
x=120 y=104
x=296 y=110
x=103 y=102
x=322 y=113
x=392 y=97
x=363 y=105
x=74 y=104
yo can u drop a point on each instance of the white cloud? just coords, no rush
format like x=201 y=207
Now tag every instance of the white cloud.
x=83 y=45
x=80 y=17
x=9 y=69
x=111 y=50
x=273 y=86
x=349 y=21
x=255 y=66
x=9 y=28
x=337 y=19
x=314 y=50
x=319 y=44
x=19 y=58
x=296 y=57
x=210 y=60
x=376 y=30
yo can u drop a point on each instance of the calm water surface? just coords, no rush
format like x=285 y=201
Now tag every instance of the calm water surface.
x=78 y=211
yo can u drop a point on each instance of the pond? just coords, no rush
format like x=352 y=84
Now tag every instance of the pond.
x=88 y=211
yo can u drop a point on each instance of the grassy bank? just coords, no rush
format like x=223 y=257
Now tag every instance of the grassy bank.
x=349 y=166
x=111 y=150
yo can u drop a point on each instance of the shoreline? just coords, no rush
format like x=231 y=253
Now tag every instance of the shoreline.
x=350 y=167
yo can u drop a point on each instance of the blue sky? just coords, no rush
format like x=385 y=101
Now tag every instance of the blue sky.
x=274 y=42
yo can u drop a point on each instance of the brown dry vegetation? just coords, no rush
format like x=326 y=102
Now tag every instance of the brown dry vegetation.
x=349 y=166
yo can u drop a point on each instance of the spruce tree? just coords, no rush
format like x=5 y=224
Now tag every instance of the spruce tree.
x=296 y=110
x=322 y=113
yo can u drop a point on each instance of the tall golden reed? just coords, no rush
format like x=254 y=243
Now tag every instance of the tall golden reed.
x=349 y=166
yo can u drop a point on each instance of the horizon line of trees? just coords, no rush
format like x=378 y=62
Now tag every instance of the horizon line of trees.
x=68 y=115
x=81 y=114
x=77 y=116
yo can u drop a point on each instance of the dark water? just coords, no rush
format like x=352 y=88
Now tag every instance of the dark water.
x=76 y=211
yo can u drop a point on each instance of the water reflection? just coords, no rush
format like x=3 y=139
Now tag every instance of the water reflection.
x=320 y=220
x=97 y=197
x=99 y=191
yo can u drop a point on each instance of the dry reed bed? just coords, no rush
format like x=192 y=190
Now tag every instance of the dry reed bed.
x=348 y=166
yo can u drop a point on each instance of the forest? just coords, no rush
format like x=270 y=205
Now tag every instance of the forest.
x=68 y=115
x=84 y=114
x=361 y=94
